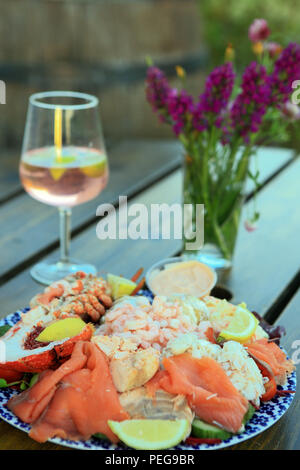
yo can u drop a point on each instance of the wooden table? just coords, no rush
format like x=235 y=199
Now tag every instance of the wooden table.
x=266 y=264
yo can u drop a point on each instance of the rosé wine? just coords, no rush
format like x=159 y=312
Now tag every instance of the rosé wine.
x=74 y=176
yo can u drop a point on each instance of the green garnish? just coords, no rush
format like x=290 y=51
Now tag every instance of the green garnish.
x=99 y=435
x=33 y=380
x=4 y=329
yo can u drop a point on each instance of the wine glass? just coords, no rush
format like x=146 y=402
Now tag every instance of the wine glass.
x=63 y=164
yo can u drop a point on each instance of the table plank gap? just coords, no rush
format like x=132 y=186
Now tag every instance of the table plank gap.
x=274 y=312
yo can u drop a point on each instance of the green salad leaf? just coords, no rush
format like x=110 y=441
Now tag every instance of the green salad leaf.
x=4 y=329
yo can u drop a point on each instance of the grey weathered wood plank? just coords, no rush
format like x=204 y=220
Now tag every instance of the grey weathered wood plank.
x=32 y=227
x=267 y=259
x=9 y=175
x=285 y=434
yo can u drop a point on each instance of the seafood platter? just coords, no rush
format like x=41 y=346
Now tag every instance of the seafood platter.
x=113 y=363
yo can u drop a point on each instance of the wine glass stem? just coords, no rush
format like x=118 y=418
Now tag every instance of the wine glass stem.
x=64 y=232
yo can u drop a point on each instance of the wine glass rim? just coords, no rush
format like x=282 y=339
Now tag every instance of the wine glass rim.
x=36 y=100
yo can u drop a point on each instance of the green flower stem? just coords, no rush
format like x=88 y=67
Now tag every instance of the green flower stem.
x=215 y=176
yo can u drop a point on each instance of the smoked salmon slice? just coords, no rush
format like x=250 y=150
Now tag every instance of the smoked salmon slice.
x=209 y=391
x=74 y=401
x=268 y=353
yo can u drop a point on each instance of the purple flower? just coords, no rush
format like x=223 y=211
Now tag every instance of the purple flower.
x=259 y=30
x=171 y=104
x=218 y=89
x=180 y=106
x=251 y=104
x=157 y=89
x=214 y=100
x=286 y=71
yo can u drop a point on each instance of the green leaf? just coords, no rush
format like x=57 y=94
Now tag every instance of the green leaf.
x=3 y=383
x=33 y=380
x=4 y=329
x=23 y=385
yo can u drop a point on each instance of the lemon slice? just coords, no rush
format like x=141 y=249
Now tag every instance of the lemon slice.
x=61 y=329
x=241 y=327
x=150 y=434
x=120 y=286
x=57 y=173
x=94 y=171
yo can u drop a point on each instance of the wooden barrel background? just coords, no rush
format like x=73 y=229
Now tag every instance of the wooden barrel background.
x=99 y=47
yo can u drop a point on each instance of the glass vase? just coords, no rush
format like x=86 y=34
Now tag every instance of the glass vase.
x=216 y=178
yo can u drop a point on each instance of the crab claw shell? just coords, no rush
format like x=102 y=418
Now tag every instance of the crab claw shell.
x=46 y=357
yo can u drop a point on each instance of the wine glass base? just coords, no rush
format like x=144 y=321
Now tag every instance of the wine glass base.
x=48 y=272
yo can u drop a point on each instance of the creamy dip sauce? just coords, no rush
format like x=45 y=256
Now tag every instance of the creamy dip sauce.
x=187 y=277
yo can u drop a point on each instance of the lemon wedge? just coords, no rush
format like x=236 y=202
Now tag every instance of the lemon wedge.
x=241 y=327
x=61 y=162
x=57 y=173
x=94 y=171
x=61 y=329
x=150 y=434
x=120 y=286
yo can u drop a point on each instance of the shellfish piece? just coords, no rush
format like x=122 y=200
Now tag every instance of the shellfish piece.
x=139 y=404
x=133 y=369
x=77 y=294
x=23 y=353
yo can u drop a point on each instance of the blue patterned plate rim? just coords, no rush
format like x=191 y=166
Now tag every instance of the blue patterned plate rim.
x=268 y=414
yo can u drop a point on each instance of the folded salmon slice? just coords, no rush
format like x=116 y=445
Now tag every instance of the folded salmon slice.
x=209 y=391
x=74 y=401
x=269 y=353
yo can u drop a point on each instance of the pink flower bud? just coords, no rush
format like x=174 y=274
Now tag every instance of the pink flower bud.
x=249 y=226
x=259 y=30
x=273 y=48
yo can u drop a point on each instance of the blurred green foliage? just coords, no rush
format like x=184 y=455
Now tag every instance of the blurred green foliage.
x=227 y=21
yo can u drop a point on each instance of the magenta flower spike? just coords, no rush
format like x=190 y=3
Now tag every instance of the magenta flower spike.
x=251 y=104
x=286 y=71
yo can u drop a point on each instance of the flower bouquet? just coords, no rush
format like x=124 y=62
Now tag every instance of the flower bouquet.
x=222 y=130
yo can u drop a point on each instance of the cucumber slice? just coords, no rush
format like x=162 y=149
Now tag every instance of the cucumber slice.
x=249 y=414
x=205 y=430
x=99 y=435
